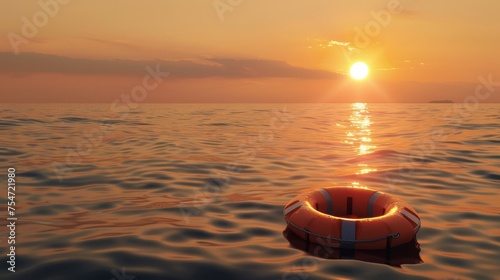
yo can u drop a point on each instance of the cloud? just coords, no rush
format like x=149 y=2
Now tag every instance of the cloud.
x=31 y=63
x=338 y=43
x=347 y=45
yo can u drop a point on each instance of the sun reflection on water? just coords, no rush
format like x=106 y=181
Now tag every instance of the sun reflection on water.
x=360 y=134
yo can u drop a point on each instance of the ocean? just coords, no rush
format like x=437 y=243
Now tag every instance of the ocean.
x=196 y=191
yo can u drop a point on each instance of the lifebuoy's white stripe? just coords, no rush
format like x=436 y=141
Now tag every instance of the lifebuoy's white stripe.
x=410 y=216
x=371 y=203
x=292 y=207
x=329 y=202
x=348 y=234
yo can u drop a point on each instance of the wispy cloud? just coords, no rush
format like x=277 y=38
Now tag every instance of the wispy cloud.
x=332 y=43
x=346 y=45
x=30 y=63
x=338 y=43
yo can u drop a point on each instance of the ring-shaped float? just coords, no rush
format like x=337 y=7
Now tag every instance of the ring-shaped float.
x=352 y=217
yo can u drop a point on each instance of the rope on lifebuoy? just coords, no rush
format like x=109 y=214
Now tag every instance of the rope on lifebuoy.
x=393 y=235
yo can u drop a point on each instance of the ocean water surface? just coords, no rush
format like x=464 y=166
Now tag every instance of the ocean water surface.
x=196 y=191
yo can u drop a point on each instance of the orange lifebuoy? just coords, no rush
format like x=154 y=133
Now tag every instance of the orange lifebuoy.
x=408 y=253
x=352 y=217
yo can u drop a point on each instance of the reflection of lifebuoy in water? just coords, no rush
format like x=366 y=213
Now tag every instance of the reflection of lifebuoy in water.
x=352 y=217
x=408 y=253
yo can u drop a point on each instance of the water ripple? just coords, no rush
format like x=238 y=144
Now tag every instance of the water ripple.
x=194 y=191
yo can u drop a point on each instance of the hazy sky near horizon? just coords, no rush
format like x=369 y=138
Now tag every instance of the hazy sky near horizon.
x=249 y=51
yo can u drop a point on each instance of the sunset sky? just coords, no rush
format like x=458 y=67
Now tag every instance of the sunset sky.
x=250 y=51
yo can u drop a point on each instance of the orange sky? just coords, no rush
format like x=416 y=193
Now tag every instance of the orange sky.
x=250 y=51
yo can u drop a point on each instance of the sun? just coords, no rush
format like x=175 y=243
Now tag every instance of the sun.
x=359 y=70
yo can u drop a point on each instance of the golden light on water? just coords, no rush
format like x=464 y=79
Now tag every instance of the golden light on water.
x=359 y=106
x=366 y=170
x=363 y=149
x=360 y=134
x=360 y=121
